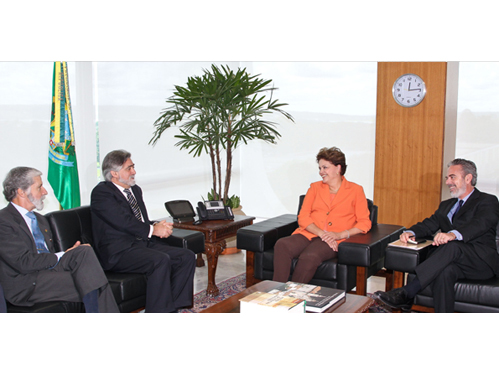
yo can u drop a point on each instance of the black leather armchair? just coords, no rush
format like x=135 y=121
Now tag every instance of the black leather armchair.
x=359 y=257
x=69 y=226
x=470 y=295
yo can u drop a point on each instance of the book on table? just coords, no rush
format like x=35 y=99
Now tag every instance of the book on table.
x=416 y=247
x=264 y=302
x=317 y=298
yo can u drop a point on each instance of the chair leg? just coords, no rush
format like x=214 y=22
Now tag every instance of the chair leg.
x=398 y=279
x=199 y=260
x=361 y=286
x=388 y=280
x=250 y=269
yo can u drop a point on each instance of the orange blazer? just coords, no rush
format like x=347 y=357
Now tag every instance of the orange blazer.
x=348 y=209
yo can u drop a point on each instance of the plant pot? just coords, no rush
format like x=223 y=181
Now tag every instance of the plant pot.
x=238 y=211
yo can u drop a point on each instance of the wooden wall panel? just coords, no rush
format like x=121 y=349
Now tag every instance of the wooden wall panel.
x=409 y=145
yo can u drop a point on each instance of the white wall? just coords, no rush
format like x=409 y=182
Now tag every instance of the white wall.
x=123 y=99
x=477 y=137
x=25 y=106
x=334 y=104
x=131 y=96
x=269 y=178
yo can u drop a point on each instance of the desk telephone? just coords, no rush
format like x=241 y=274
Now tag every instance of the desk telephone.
x=214 y=210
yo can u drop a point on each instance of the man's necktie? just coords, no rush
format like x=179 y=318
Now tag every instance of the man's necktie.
x=133 y=203
x=459 y=205
x=37 y=234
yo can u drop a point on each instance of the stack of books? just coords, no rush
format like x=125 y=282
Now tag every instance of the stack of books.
x=263 y=302
x=292 y=297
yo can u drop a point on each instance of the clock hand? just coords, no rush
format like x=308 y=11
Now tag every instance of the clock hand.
x=414 y=89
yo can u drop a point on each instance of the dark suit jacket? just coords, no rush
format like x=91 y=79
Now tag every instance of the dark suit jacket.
x=477 y=221
x=114 y=225
x=20 y=262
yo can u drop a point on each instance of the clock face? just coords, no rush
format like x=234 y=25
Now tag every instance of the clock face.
x=409 y=90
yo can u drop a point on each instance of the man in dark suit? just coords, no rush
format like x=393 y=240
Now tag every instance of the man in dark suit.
x=3 y=305
x=127 y=241
x=30 y=270
x=464 y=243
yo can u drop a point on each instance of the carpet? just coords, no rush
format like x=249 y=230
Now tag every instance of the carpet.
x=377 y=307
x=237 y=284
x=227 y=288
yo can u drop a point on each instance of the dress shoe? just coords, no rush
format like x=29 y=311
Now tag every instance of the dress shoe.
x=396 y=298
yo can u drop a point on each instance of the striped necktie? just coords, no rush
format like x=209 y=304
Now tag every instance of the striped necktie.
x=37 y=234
x=133 y=203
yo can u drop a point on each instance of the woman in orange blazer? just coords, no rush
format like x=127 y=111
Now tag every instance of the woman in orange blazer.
x=333 y=210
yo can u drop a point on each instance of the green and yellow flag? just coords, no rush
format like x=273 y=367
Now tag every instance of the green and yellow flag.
x=63 y=170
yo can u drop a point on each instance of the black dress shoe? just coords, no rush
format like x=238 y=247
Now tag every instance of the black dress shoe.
x=396 y=298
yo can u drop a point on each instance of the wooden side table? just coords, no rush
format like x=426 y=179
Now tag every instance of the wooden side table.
x=215 y=232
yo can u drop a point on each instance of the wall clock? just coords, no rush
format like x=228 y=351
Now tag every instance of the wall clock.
x=409 y=90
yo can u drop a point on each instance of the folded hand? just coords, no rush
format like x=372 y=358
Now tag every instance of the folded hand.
x=163 y=229
x=330 y=239
x=77 y=244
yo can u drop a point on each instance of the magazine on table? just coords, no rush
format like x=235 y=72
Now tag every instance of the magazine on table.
x=317 y=298
x=263 y=302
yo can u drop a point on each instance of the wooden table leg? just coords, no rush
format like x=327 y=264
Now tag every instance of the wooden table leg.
x=212 y=251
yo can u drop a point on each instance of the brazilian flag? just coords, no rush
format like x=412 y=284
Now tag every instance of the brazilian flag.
x=63 y=170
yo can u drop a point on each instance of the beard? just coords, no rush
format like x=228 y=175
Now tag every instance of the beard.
x=130 y=181
x=38 y=203
x=458 y=191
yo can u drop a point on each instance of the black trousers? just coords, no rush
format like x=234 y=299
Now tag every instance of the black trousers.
x=169 y=271
x=77 y=273
x=445 y=265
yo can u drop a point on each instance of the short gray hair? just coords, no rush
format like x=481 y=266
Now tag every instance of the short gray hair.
x=114 y=161
x=22 y=177
x=468 y=166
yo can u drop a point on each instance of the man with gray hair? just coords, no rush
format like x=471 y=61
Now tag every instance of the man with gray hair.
x=464 y=247
x=30 y=270
x=127 y=241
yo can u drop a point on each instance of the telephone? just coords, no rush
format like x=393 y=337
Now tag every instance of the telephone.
x=214 y=210
x=180 y=210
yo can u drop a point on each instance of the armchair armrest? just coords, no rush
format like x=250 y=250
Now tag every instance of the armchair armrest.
x=404 y=260
x=367 y=249
x=262 y=236
x=189 y=239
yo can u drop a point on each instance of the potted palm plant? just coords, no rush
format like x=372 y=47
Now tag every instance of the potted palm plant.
x=218 y=111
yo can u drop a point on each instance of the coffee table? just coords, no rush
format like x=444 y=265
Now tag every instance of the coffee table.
x=350 y=304
x=215 y=232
